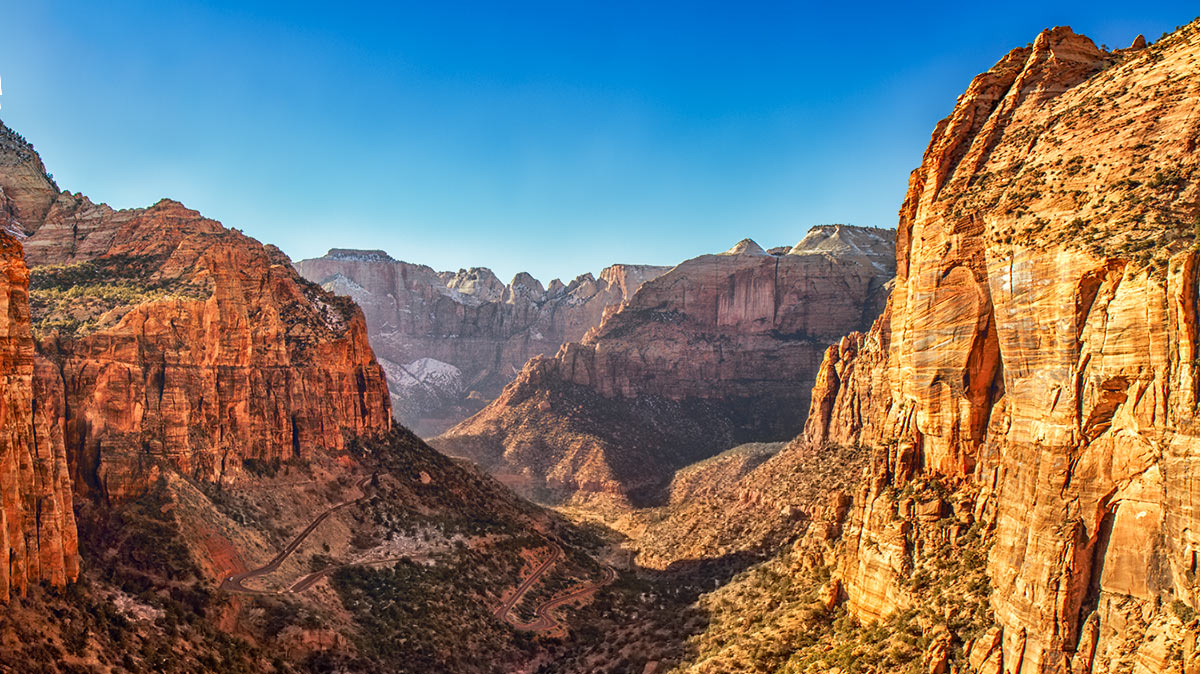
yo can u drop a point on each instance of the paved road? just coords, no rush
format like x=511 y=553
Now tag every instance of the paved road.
x=545 y=621
x=311 y=579
x=234 y=583
x=502 y=612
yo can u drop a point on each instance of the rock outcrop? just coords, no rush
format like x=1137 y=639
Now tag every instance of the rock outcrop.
x=179 y=342
x=1039 y=358
x=722 y=349
x=468 y=321
x=37 y=521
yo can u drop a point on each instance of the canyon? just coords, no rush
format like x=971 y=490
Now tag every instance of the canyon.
x=155 y=338
x=177 y=400
x=968 y=445
x=1040 y=352
x=450 y=341
x=722 y=349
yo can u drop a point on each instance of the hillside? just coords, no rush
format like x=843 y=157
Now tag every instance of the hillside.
x=967 y=447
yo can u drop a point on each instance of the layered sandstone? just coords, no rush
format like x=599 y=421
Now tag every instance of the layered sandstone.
x=37 y=522
x=181 y=343
x=1040 y=357
x=451 y=341
x=722 y=349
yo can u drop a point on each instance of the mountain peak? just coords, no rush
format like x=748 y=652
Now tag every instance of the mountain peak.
x=358 y=255
x=745 y=247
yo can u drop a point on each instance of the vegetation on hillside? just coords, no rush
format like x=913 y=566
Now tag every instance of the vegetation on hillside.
x=76 y=299
x=786 y=616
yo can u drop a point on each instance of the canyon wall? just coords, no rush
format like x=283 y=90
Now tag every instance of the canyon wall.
x=451 y=341
x=720 y=350
x=37 y=521
x=180 y=343
x=1039 y=359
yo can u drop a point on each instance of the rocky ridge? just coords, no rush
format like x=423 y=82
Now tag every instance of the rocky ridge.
x=466 y=321
x=1039 y=360
x=722 y=349
x=177 y=340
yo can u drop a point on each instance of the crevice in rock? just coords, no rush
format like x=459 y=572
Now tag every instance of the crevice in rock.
x=1095 y=570
x=1113 y=393
x=295 y=438
x=983 y=384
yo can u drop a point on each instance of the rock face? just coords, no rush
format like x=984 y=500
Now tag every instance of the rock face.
x=722 y=349
x=467 y=321
x=37 y=522
x=180 y=343
x=1040 y=356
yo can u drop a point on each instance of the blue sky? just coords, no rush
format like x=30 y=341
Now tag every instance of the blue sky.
x=553 y=137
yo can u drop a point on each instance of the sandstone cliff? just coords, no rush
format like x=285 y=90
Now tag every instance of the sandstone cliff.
x=1040 y=359
x=722 y=349
x=37 y=521
x=179 y=342
x=451 y=341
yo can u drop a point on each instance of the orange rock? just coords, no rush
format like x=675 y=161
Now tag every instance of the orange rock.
x=831 y=594
x=240 y=359
x=37 y=522
x=936 y=658
x=1042 y=344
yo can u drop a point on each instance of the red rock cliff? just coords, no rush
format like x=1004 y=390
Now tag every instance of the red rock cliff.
x=181 y=343
x=37 y=522
x=1041 y=352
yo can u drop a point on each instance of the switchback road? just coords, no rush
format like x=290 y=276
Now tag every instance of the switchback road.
x=235 y=582
x=544 y=620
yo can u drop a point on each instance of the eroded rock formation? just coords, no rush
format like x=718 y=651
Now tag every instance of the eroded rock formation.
x=720 y=350
x=179 y=342
x=37 y=522
x=425 y=325
x=1040 y=358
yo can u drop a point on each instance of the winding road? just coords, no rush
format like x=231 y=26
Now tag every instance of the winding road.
x=545 y=621
x=235 y=582
x=503 y=611
x=311 y=579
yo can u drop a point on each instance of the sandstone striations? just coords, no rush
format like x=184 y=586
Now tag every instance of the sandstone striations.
x=722 y=349
x=1040 y=359
x=182 y=343
x=451 y=341
x=37 y=521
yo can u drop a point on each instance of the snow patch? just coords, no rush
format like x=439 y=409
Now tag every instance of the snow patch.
x=424 y=375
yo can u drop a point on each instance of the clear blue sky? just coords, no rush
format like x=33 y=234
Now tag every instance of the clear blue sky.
x=555 y=137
